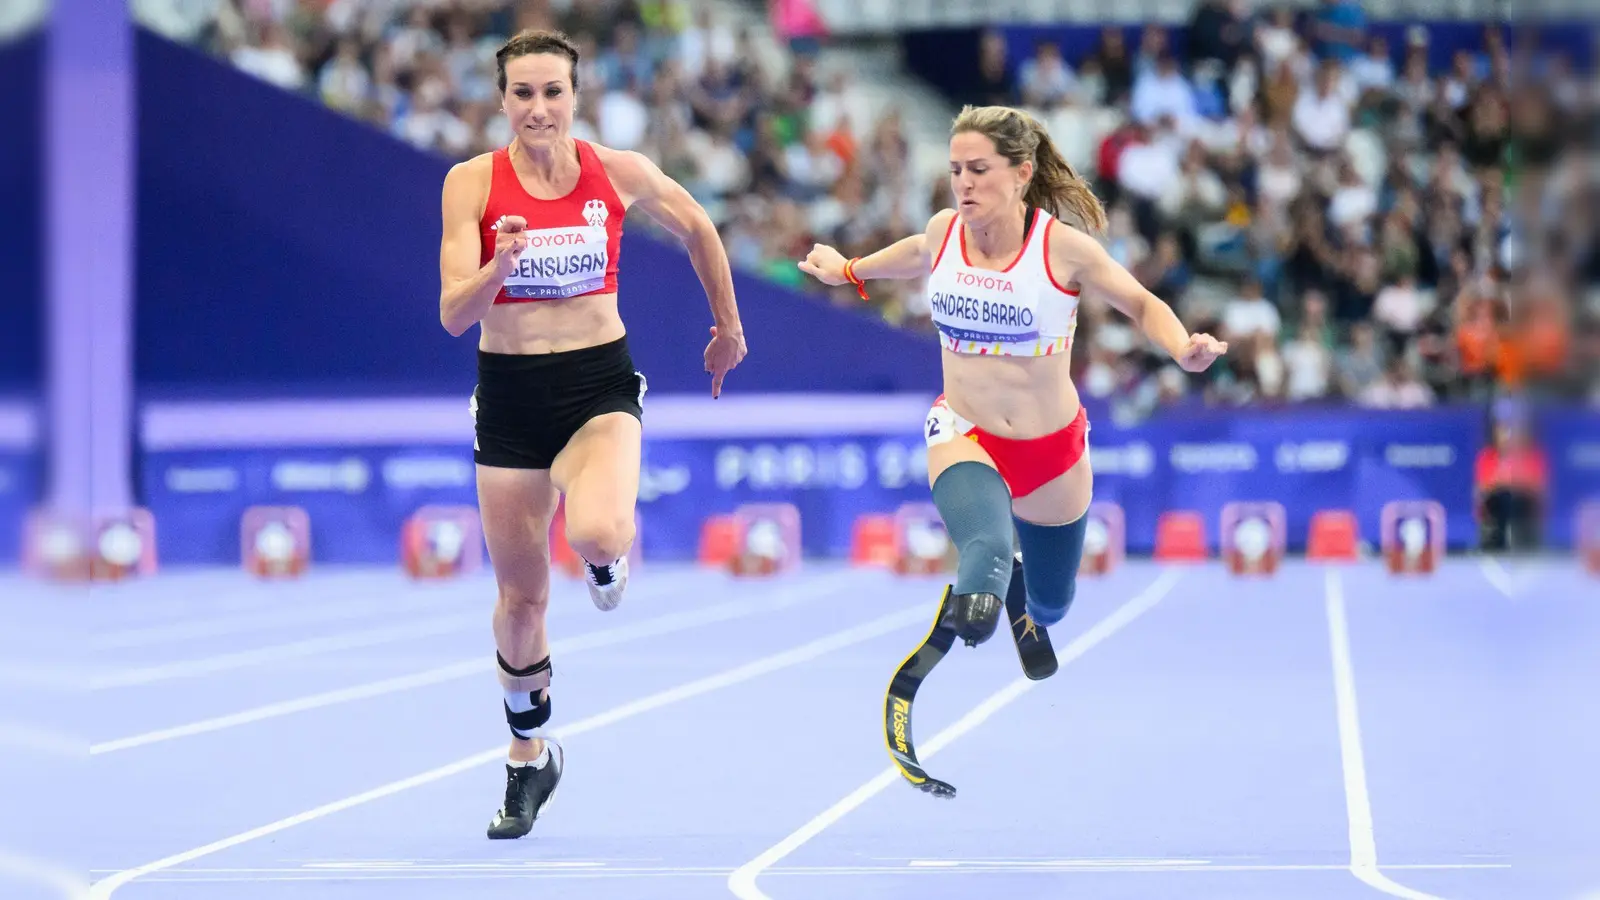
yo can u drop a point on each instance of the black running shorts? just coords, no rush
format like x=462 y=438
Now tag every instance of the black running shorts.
x=527 y=406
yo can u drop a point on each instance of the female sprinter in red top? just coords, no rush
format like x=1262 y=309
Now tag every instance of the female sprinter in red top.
x=532 y=234
x=1004 y=275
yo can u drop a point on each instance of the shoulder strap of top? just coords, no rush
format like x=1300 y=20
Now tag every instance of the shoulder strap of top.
x=501 y=169
x=944 y=244
x=595 y=180
x=589 y=165
x=1038 y=224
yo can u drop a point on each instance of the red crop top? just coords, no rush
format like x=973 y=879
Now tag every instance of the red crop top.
x=574 y=242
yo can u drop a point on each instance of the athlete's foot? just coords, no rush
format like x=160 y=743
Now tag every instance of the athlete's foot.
x=525 y=750
x=606 y=583
x=528 y=793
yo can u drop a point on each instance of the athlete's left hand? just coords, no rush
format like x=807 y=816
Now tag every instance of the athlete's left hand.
x=1202 y=351
x=723 y=353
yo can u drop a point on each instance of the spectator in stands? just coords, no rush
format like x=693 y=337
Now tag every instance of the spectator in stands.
x=1398 y=388
x=1111 y=58
x=1399 y=311
x=1165 y=272
x=1322 y=115
x=1219 y=31
x=1045 y=81
x=1308 y=365
x=1510 y=484
x=1339 y=27
x=1164 y=93
x=1279 y=94
x=1153 y=44
x=343 y=83
x=1373 y=72
x=429 y=124
x=271 y=58
x=992 y=84
x=1250 y=314
x=1125 y=245
x=1275 y=38
x=1359 y=365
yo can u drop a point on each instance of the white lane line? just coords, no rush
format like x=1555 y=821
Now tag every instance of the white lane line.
x=743 y=880
x=1358 y=805
x=403 y=870
x=478 y=664
x=1499 y=576
x=878 y=627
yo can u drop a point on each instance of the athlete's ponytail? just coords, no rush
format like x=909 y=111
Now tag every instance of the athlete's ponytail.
x=1061 y=190
x=1055 y=186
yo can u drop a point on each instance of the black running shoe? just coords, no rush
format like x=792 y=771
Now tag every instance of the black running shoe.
x=528 y=793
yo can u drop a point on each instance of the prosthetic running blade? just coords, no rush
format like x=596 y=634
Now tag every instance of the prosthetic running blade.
x=903 y=692
x=1034 y=650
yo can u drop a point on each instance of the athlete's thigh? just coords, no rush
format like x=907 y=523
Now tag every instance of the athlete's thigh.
x=517 y=506
x=1060 y=500
x=598 y=469
x=947 y=445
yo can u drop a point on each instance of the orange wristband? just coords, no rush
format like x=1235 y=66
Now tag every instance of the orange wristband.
x=850 y=276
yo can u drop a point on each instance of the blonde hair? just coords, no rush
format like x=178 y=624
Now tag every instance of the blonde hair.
x=1055 y=186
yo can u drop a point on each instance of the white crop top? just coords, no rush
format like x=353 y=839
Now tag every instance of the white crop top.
x=1018 y=311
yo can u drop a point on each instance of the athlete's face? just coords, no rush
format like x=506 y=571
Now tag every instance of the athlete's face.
x=539 y=99
x=984 y=183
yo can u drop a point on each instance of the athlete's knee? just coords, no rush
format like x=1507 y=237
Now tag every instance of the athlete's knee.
x=600 y=538
x=527 y=690
x=525 y=597
x=1052 y=608
x=1050 y=558
x=975 y=504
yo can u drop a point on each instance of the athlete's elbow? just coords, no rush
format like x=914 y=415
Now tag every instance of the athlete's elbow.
x=700 y=233
x=453 y=321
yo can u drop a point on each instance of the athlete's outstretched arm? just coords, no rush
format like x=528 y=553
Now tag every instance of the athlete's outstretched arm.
x=905 y=258
x=1073 y=251
x=466 y=289
x=666 y=201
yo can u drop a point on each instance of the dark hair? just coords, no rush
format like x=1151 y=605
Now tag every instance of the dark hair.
x=532 y=42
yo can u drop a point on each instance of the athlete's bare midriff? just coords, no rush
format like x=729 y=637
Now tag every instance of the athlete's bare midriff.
x=551 y=326
x=1010 y=396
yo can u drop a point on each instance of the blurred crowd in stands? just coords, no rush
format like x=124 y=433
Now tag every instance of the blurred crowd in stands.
x=1358 y=227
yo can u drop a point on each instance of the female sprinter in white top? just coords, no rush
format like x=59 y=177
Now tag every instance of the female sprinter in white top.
x=1004 y=275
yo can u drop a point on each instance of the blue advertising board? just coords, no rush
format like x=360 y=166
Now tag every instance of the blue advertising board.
x=358 y=496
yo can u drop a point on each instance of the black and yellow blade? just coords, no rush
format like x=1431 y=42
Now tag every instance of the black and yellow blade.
x=1034 y=650
x=903 y=692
